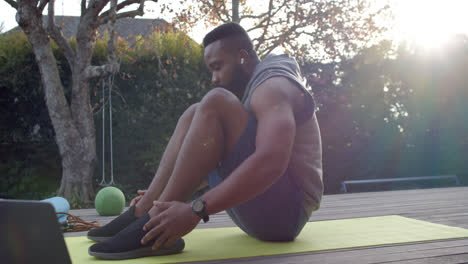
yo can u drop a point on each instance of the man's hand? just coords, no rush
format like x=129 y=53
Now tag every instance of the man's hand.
x=136 y=199
x=172 y=220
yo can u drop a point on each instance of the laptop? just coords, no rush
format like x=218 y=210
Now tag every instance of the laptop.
x=30 y=233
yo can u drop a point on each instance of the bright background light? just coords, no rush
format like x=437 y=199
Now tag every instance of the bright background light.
x=426 y=23
x=429 y=23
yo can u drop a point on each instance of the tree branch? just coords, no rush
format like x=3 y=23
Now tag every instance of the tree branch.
x=123 y=5
x=268 y=24
x=270 y=14
x=42 y=5
x=12 y=3
x=133 y=13
x=267 y=13
x=226 y=13
x=95 y=7
x=218 y=10
x=105 y=17
x=235 y=11
x=263 y=26
x=83 y=7
x=120 y=6
x=253 y=17
x=111 y=42
x=57 y=36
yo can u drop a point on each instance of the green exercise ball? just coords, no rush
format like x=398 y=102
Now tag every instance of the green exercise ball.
x=109 y=201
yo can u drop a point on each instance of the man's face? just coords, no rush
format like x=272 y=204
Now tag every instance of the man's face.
x=226 y=72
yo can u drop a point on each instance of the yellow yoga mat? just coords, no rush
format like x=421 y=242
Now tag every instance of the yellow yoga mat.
x=228 y=243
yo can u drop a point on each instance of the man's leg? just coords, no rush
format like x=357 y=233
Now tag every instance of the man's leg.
x=166 y=165
x=204 y=134
x=157 y=185
x=217 y=124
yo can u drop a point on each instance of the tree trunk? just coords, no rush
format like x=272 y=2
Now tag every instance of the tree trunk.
x=235 y=11
x=73 y=123
x=73 y=126
x=78 y=177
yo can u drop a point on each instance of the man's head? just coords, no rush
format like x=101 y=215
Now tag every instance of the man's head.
x=230 y=57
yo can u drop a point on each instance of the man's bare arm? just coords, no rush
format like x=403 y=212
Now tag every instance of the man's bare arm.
x=272 y=104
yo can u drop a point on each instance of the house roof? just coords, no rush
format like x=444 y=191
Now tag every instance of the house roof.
x=125 y=27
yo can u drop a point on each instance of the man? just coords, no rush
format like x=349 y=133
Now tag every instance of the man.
x=255 y=135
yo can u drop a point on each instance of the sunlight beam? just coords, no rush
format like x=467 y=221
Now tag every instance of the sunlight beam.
x=429 y=23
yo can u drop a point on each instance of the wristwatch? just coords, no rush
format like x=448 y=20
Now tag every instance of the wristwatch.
x=199 y=208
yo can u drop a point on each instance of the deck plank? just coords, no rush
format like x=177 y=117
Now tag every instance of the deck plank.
x=455 y=258
x=378 y=254
x=448 y=206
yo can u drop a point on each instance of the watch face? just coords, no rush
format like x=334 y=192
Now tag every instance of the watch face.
x=198 y=205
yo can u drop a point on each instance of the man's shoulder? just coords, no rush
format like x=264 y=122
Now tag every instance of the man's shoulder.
x=273 y=71
x=275 y=65
x=279 y=67
x=276 y=82
x=279 y=59
x=279 y=88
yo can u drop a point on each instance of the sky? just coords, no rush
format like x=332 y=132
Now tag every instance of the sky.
x=429 y=23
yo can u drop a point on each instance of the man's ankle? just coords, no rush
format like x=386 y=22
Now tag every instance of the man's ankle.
x=140 y=209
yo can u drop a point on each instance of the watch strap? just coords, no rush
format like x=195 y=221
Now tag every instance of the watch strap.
x=201 y=213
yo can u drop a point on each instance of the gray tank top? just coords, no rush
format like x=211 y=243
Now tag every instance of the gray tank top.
x=305 y=163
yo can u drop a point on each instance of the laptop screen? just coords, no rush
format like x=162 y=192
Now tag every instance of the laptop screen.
x=30 y=233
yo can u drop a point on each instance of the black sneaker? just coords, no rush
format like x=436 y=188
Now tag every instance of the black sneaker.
x=127 y=244
x=115 y=226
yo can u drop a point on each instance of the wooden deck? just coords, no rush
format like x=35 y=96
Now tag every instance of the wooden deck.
x=448 y=206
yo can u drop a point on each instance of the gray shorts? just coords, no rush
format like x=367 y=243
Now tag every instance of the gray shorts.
x=275 y=215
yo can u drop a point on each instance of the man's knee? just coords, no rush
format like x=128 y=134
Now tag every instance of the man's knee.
x=187 y=116
x=224 y=106
x=219 y=98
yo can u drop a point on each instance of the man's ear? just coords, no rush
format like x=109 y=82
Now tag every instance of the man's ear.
x=243 y=57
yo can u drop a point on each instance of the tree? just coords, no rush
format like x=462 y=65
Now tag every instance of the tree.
x=160 y=76
x=322 y=30
x=401 y=115
x=72 y=119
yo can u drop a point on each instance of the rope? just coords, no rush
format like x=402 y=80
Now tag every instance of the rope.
x=103 y=182
x=111 y=83
x=76 y=224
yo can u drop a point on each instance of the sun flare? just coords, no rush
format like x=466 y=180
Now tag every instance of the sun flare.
x=429 y=23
